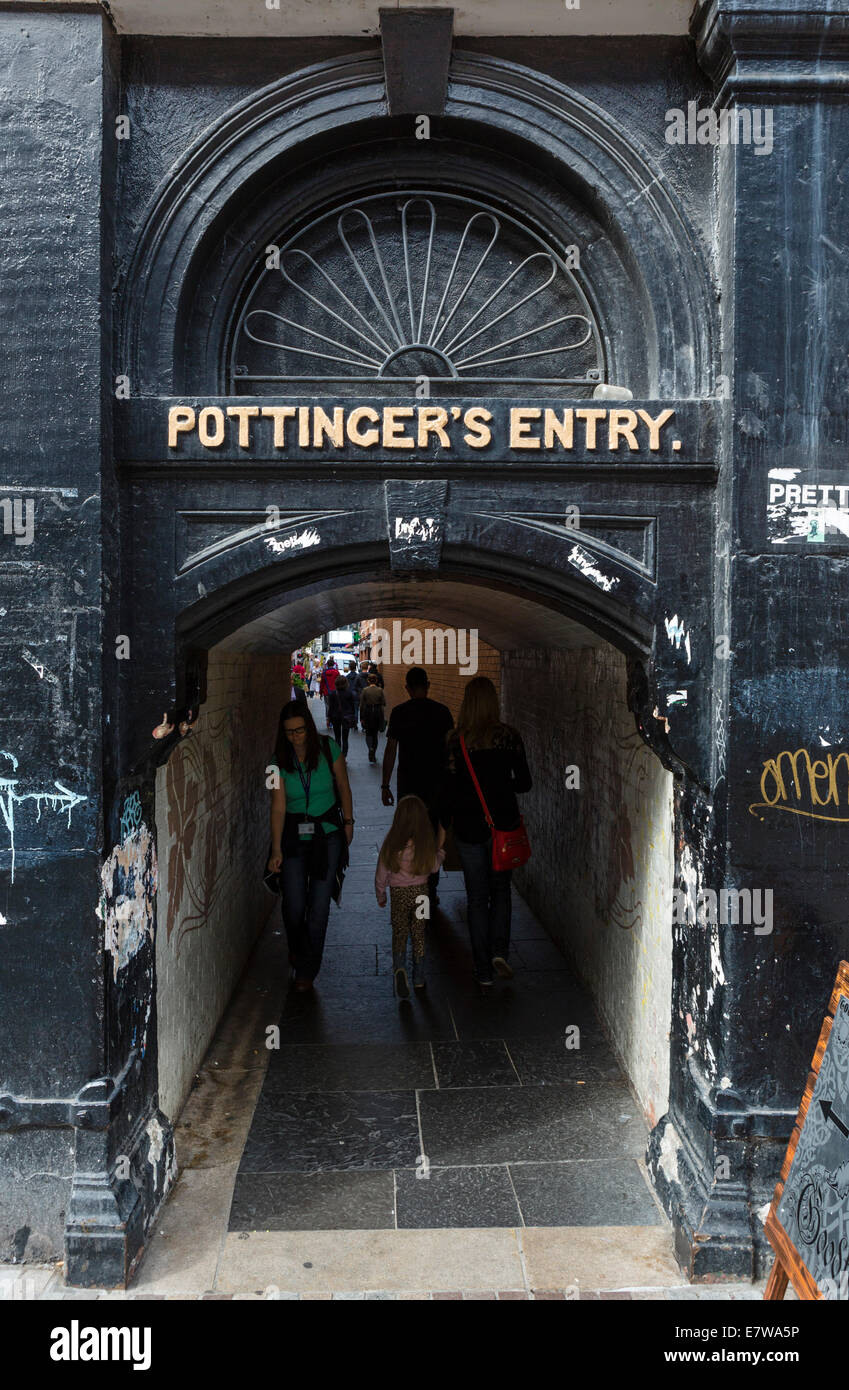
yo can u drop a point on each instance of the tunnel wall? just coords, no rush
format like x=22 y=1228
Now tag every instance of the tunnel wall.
x=212 y=833
x=601 y=875
x=447 y=682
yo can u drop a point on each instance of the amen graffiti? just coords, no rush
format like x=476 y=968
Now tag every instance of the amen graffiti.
x=805 y=785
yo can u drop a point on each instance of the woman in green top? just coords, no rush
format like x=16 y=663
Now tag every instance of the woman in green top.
x=312 y=824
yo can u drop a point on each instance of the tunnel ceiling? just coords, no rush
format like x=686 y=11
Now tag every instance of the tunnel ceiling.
x=518 y=623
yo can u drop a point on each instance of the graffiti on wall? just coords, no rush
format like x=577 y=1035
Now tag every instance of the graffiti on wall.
x=202 y=837
x=815 y=786
x=58 y=799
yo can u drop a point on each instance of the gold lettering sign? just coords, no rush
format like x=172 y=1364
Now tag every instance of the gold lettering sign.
x=391 y=428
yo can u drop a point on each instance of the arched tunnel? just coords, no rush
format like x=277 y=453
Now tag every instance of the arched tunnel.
x=576 y=1044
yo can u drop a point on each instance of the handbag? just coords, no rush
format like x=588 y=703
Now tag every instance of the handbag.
x=510 y=848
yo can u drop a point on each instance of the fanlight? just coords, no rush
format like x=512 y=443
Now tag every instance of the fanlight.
x=411 y=285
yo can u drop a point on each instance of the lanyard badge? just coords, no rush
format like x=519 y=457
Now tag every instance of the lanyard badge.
x=306 y=829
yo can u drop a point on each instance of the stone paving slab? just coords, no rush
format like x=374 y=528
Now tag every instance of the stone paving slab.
x=25 y=1282
x=363 y=1261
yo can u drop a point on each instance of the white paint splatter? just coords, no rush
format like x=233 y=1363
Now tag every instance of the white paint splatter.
x=676 y=697
x=677 y=633
x=715 y=957
x=784 y=475
x=583 y=562
x=301 y=541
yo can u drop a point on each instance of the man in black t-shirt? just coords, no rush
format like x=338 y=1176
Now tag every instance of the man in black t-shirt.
x=417 y=734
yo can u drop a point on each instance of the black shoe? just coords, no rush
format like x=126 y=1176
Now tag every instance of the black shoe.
x=402 y=989
x=484 y=988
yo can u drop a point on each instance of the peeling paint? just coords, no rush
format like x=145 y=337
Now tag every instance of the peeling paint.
x=156 y=1137
x=670 y=1146
x=157 y=1146
x=126 y=908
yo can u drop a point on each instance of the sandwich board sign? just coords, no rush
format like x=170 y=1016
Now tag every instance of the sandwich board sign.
x=808 y=1221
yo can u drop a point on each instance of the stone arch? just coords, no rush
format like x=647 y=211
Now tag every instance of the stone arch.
x=528 y=558
x=558 y=155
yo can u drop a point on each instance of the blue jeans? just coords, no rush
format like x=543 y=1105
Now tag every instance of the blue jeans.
x=489 y=905
x=306 y=903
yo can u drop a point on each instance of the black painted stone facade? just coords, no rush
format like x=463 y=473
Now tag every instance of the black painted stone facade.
x=719 y=279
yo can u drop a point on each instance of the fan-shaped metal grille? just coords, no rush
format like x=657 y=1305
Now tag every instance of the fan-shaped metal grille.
x=400 y=286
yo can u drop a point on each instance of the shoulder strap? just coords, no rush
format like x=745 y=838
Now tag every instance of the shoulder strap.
x=324 y=744
x=488 y=817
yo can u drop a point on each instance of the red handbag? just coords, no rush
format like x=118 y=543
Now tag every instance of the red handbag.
x=510 y=848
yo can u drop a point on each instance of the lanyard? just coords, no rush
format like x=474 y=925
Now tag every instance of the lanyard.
x=305 y=783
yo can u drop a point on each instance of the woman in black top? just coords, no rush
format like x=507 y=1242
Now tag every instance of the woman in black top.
x=498 y=757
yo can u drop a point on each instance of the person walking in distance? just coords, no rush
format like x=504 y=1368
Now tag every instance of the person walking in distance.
x=346 y=706
x=356 y=682
x=372 y=707
x=312 y=824
x=417 y=734
x=333 y=706
x=410 y=853
x=327 y=685
x=315 y=676
x=497 y=755
x=363 y=674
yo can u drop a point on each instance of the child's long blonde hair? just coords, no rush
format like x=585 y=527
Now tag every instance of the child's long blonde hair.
x=411 y=822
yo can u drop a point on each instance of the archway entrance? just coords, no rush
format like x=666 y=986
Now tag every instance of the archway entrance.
x=420 y=401
x=350 y=1112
